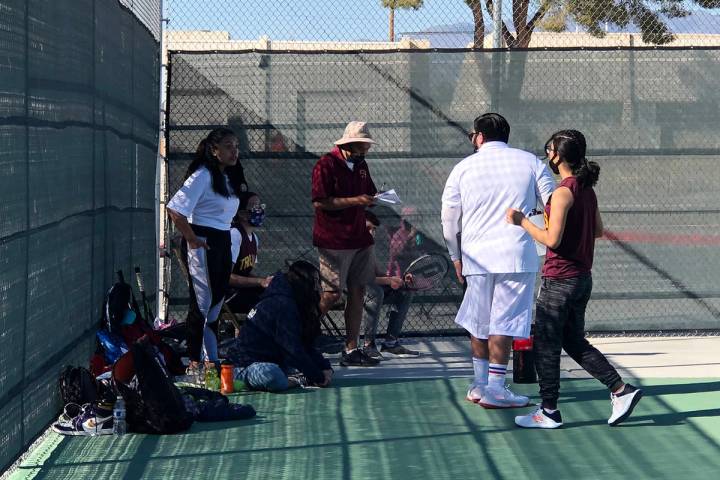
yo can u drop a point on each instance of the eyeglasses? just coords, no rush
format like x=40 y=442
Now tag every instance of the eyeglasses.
x=470 y=135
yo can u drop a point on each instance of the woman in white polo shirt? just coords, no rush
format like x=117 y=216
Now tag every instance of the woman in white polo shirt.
x=202 y=210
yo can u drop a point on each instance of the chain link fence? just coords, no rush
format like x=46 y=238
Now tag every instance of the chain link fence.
x=648 y=113
x=79 y=97
x=332 y=24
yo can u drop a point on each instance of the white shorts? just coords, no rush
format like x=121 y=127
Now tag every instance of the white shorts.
x=497 y=304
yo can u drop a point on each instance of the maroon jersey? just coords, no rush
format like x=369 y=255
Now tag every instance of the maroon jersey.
x=340 y=229
x=574 y=256
x=244 y=251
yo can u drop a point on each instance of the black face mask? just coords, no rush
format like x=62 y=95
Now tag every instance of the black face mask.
x=355 y=158
x=554 y=166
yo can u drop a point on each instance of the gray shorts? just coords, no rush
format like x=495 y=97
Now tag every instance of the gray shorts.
x=340 y=269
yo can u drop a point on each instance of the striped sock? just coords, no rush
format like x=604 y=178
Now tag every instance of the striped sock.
x=496 y=375
x=480 y=367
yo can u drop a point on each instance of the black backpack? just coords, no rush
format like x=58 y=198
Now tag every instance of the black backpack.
x=77 y=385
x=153 y=403
x=118 y=301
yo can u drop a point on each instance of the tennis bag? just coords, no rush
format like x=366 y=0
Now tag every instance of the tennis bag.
x=77 y=385
x=153 y=403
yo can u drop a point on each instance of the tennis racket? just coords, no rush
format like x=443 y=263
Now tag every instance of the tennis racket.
x=149 y=317
x=426 y=272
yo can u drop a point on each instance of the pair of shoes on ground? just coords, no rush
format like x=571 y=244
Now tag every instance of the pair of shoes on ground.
x=394 y=348
x=357 y=358
x=86 y=420
x=623 y=405
x=493 y=397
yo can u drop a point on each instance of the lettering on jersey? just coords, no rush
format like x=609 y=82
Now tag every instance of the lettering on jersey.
x=247 y=261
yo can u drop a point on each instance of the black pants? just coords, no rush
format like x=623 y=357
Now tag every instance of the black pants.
x=560 y=324
x=242 y=300
x=209 y=276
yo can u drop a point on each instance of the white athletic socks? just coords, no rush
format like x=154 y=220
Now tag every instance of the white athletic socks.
x=496 y=375
x=481 y=366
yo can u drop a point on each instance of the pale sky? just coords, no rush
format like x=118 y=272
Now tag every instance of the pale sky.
x=309 y=19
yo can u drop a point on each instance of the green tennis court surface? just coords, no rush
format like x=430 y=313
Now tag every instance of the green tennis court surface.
x=401 y=428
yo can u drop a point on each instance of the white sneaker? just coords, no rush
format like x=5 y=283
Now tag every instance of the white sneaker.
x=475 y=393
x=495 y=397
x=623 y=404
x=539 y=419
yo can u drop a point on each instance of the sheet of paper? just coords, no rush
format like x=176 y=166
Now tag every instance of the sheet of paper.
x=389 y=196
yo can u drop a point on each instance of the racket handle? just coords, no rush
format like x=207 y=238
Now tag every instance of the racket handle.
x=138 y=278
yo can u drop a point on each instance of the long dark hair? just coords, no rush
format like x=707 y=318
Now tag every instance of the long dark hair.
x=304 y=279
x=570 y=146
x=204 y=157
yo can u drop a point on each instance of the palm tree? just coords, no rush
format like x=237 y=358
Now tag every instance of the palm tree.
x=395 y=4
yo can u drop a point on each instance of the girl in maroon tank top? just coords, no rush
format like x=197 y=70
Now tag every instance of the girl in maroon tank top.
x=572 y=224
x=245 y=287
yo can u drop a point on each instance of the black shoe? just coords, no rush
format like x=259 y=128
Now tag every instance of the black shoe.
x=372 y=352
x=398 y=350
x=357 y=358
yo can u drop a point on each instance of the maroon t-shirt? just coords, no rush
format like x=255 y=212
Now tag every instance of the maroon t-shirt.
x=574 y=256
x=340 y=229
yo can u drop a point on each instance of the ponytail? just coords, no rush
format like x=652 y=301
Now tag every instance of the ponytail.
x=588 y=173
x=570 y=145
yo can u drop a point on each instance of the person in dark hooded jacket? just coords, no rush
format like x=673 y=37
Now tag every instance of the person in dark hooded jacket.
x=279 y=333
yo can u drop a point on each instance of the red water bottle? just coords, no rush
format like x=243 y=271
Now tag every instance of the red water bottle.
x=226 y=379
x=524 y=361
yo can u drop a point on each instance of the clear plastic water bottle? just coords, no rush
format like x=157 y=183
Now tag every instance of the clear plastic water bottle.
x=212 y=379
x=119 y=425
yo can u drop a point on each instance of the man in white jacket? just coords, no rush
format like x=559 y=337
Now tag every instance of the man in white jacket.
x=498 y=262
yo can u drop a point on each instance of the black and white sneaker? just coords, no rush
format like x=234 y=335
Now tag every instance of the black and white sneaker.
x=357 y=358
x=540 y=418
x=623 y=404
x=90 y=421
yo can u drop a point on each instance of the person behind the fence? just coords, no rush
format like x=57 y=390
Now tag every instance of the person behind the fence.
x=202 y=210
x=404 y=243
x=498 y=262
x=279 y=333
x=341 y=190
x=245 y=287
x=387 y=290
x=573 y=224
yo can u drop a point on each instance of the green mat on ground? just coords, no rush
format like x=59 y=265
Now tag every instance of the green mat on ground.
x=398 y=429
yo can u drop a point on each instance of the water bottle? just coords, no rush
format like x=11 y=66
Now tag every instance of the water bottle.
x=212 y=380
x=119 y=425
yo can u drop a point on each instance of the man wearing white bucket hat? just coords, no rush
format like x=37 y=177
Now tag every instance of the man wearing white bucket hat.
x=341 y=190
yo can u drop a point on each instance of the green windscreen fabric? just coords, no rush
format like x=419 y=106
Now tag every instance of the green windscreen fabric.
x=79 y=96
x=649 y=115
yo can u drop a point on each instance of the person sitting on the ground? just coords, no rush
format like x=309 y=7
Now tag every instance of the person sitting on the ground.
x=388 y=290
x=245 y=287
x=279 y=333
